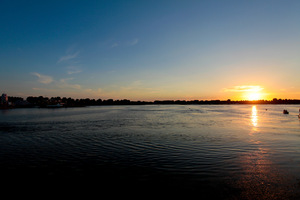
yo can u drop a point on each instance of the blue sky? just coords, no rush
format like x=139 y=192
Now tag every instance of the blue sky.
x=147 y=50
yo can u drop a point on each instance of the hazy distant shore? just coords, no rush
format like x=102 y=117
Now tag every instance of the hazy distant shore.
x=56 y=102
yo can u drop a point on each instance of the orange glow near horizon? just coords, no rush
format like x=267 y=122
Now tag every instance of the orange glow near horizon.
x=247 y=92
x=252 y=96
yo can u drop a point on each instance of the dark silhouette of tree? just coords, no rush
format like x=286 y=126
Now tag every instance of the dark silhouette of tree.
x=69 y=102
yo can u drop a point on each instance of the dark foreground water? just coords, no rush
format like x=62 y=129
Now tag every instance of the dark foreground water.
x=224 y=152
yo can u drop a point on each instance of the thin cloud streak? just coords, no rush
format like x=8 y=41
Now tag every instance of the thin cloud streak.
x=56 y=84
x=68 y=57
x=63 y=83
x=134 y=42
x=244 y=88
x=114 y=45
x=73 y=70
x=43 y=78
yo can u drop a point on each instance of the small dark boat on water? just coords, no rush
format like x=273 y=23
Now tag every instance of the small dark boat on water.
x=285 y=112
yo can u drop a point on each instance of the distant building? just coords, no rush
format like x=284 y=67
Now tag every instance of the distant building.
x=4 y=99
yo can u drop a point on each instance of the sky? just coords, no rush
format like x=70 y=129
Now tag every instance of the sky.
x=151 y=50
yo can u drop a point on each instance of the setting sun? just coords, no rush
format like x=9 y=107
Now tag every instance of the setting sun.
x=247 y=92
x=253 y=96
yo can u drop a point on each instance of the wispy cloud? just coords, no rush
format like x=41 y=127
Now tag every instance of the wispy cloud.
x=67 y=57
x=73 y=70
x=114 y=45
x=56 y=84
x=244 y=88
x=63 y=83
x=134 y=42
x=43 y=78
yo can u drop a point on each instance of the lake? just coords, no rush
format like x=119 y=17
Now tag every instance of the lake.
x=215 y=151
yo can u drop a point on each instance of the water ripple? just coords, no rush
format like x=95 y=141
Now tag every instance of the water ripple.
x=179 y=146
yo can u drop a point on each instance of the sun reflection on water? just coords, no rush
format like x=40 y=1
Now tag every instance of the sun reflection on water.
x=254 y=117
x=262 y=177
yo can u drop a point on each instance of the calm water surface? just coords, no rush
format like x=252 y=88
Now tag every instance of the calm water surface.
x=228 y=152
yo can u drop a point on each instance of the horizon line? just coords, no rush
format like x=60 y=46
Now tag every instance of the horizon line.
x=120 y=99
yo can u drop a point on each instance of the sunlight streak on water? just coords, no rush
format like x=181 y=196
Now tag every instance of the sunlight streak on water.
x=254 y=116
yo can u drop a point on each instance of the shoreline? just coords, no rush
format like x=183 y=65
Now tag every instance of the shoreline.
x=52 y=106
x=58 y=102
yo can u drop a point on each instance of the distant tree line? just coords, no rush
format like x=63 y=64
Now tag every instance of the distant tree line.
x=222 y=102
x=70 y=102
